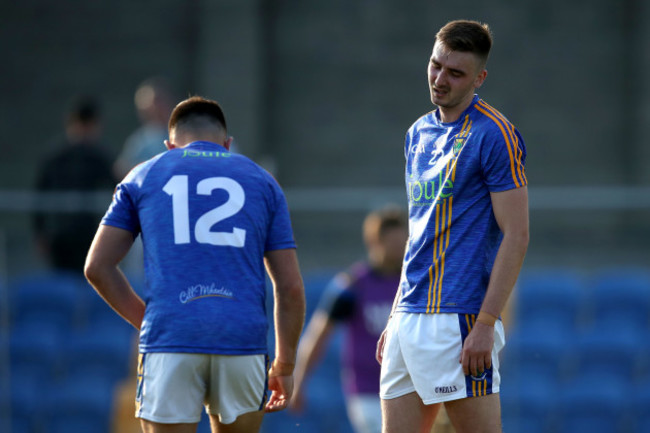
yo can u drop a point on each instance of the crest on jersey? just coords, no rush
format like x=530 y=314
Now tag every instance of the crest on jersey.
x=459 y=142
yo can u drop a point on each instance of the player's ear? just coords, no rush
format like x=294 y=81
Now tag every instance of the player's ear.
x=480 y=78
x=169 y=145
x=227 y=142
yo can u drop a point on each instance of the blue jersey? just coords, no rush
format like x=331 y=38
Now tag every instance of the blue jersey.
x=451 y=169
x=206 y=217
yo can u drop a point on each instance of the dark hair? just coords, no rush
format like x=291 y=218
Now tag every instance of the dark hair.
x=380 y=221
x=84 y=109
x=466 y=36
x=196 y=110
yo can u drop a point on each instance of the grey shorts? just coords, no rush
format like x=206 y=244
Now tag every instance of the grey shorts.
x=173 y=387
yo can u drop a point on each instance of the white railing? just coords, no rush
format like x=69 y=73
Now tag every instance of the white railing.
x=605 y=198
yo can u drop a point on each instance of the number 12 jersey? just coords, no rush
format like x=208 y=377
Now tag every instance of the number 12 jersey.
x=206 y=217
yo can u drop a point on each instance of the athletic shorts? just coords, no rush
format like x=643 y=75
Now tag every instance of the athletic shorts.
x=422 y=353
x=174 y=387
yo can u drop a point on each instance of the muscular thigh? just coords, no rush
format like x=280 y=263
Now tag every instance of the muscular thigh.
x=475 y=414
x=247 y=423
x=407 y=413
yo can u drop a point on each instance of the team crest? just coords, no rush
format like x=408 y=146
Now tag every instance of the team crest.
x=458 y=145
x=459 y=142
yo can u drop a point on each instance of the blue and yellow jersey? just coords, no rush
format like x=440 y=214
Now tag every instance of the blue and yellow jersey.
x=451 y=169
x=206 y=216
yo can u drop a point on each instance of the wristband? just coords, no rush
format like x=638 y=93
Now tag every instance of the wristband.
x=486 y=318
x=281 y=369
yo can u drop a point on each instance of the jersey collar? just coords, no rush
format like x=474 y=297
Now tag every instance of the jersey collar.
x=470 y=107
x=205 y=144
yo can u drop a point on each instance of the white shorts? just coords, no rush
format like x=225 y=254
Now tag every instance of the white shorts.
x=422 y=353
x=173 y=387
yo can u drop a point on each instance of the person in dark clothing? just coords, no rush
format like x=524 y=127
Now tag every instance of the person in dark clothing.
x=77 y=165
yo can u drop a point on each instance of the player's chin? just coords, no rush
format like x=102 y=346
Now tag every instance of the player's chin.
x=437 y=99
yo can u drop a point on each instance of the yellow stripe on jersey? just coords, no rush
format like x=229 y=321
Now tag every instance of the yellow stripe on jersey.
x=444 y=229
x=509 y=126
x=470 y=320
x=451 y=199
x=430 y=286
x=442 y=233
x=467 y=125
x=464 y=126
x=439 y=248
x=509 y=146
x=435 y=261
x=515 y=140
x=507 y=138
x=441 y=256
x=463 y=133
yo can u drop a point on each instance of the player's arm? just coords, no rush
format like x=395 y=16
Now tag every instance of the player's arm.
x=106 y=252
x=289 y=317
x=336 y=305
x=313 y=343
x=379 y=352
x=511 y=213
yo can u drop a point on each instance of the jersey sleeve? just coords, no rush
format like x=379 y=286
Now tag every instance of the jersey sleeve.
x=280 y=235
x=338 y=301
x=122 y=212
x=502 y=159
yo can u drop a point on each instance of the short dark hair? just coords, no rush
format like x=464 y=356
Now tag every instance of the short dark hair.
x=467 y=36
x=378 y=222
x=196 y=110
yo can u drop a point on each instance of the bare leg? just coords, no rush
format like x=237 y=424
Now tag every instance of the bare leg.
x=407 y=414
x=247 y=423
x=475 y=414
x=154 y=427
x=442 y=423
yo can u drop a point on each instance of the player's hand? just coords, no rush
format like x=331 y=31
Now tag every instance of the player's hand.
x=281 y=388
x=379 y=354
x=476 y=356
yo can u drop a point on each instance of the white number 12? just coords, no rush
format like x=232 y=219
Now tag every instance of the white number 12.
x=177 y=187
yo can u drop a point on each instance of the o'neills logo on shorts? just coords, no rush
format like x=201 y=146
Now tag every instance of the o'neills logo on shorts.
x=445 y=389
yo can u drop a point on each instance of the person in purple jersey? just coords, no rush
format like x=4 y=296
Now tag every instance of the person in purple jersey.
x=360 y=301
x=468 y=235
x=210 y=221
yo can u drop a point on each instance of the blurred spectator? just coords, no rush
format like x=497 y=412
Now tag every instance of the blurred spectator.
x=360 y=300
x=154 y=101
x=77 y=165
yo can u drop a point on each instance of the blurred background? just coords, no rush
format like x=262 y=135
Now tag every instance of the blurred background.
x=321 y=94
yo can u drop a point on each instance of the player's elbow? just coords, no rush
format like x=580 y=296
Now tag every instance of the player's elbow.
x=93 y=270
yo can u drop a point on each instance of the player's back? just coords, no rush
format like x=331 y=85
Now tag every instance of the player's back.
x=206 y=217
